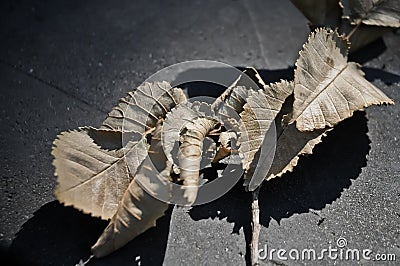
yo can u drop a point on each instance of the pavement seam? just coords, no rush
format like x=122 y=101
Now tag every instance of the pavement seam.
x=53 y=86
x=257 y=33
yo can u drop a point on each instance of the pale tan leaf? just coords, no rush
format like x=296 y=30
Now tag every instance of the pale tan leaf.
x=93 y=178
x=139 y=208
x=259 y=113
x=226 y=137
x=327 y=88
x=91 y=169
x=375 y=12
x=230 y=103
x=174 y=124
x=190 y=154
x=320 y=12
x=291 y=143
x=140 y=109
x=225 y=148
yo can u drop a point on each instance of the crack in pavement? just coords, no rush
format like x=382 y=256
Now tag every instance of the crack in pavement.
x=53 y=86
x=258 y=34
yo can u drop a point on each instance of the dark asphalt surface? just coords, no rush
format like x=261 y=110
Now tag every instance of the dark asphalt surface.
x=64 y=64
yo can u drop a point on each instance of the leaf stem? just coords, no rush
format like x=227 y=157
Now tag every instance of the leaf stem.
x=353 y=31
x=83 y=263
x=255 y=210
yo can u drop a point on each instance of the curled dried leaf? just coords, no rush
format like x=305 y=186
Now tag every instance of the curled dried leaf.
x=175 y=123
x=190 y=154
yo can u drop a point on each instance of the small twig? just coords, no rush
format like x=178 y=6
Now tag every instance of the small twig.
x=255 y=210
x=353 y=31
x=83 y=263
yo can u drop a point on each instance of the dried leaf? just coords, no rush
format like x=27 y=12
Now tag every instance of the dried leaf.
x=91 y=169
x=328 y=89
x=174 y=124
x=138 y=210
x=90 y=165
x=195 y=131
x=140 y=110
x=230 y=103
x=375 y=12
x=224 y=150
x=291 y=143
x=330 y=13
x=259 y=113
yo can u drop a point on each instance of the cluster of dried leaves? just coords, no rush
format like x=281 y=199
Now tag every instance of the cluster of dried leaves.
x=364 y=21
x=91 y=164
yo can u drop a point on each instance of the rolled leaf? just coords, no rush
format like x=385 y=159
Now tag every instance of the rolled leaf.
x=191 y=153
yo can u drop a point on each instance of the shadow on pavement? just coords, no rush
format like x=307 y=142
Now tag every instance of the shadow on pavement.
x=58 y=235
x=368 y=52
x=318 y=180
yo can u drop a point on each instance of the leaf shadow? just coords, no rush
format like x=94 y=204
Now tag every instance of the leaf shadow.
x=319 y=179
x=59 y=235
x=368 y=52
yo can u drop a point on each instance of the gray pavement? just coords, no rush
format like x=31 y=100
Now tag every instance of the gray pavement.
x=64 y=64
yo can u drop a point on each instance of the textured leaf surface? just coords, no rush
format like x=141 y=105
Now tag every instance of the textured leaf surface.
x=174 y=124
x=141 y=109
x=327 y=88
x=230 y=103
x=291 y=143
x=259 y=113
x=191 y=149
x=138 y=210
x=90 y=165
x=92 y=170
